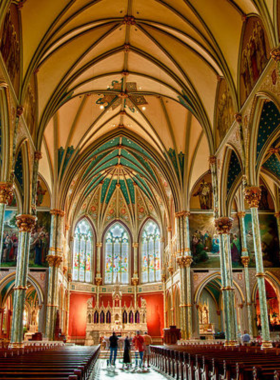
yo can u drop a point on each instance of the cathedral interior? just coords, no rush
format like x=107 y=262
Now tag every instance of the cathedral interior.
x=139 y=169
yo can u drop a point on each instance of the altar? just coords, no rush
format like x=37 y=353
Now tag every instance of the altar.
x=123 y=319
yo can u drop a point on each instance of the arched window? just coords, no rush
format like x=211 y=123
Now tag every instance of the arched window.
x=116 y=255
x=150 y=252
x=83 y=252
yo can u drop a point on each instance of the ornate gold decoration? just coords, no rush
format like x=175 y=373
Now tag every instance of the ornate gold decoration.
x=275 y=54
x=50 y=259
x=57 y=212
x=98 y=281
x=223 y=225
x=169 y=229
x=69 y=277
x=212 y=160
x=135 y=281
x=26 y=222
x=6 y=191
x=241 y=214
x=135 y=245
x=170 y=270
x=37 y=155
x=20 y=287
x=230 y=343
x=273 y=150
x=238 y=118
x=98 y=245
x=184 y=261
x=123 y=95
x=64 y=270
x=267 y=344
x=129 y=20
x=126 y=47
x=253 y=196
x=67 y=227
x=245 y=261
x=58 y=261
x=125 y=73
x=163 y=277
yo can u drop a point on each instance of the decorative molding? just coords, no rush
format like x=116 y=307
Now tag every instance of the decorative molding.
x=26 y=222
x=223 y=225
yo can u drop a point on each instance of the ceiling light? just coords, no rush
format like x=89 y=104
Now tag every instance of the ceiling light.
x=143 y=108
x=101 y=107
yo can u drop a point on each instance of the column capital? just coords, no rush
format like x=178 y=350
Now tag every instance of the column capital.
x=169 y=229
x=163 y=277
x=184 y=261
x=277 y=214
x=135 y=281
x=241 y=214
x=20 y=110
x=57 y=212
x=245 y=261
x=37 y=155
x=212 y=160
x=182 y=214
x=54 y=260
x=26 y=222
x=69 y=277
x=223 y=225
x=6 y=191
x=135 y=245
x=275 y=54
x=252 y=195
x=67 y=227
x=98 y=281
x=98 y=245
x=170 y=270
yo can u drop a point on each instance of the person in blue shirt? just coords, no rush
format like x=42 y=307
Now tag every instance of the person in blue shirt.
x=245 y=338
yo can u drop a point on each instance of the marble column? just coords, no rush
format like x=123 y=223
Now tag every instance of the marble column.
x=252 y=196
x=54 y=259
x=183 y=311
x=245 y=259
x=213 y=168
x=1 y=320
x=135 y=283
x=189 y=305
x=6 y=192
x=163 y=279
x=25 y=224
x=171 y=271
x=135 y=277
x=98 y=277
x=223 y=226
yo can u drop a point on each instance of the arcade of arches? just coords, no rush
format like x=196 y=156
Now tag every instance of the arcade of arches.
x=139 y=169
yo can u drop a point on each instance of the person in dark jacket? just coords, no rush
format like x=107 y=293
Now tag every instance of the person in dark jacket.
x=113 y=348
x=126 y=353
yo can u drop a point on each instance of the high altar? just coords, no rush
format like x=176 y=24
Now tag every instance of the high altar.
x=124 y=320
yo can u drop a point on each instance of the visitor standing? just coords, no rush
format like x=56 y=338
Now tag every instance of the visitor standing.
x=245 y=338
x=138 y=342
x=126 y=353
x=113 y=348
x=147 y=342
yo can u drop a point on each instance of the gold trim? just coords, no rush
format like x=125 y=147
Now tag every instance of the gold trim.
x=20 y=287
x=260 y=274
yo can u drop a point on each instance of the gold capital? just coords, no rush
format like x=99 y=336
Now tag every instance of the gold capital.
x=238 y=118
x=245 y=261
x=6 y=191
x=25 y=222
x=37 y=155
x=57 y=212
x=253 y=196
x=135 y=245
x=241 y=214
x=223 y=225
x=275 y=54
x=212 y=160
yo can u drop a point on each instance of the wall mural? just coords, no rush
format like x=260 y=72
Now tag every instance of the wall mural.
x=202 y=195
x=269 y=238
x=225 y=110
x=205 y=242
x=255 y=50
x=39 y=243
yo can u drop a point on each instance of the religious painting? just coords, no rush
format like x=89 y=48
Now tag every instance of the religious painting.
x=205 y=242
x=266 y=201
x=12 y=200
x=30 y=105
x=40 y=240
x=254 y=55
x=269 y=240
x=202 y=196
x=10 y=239
x=42 y=195
x=10 y=44
x=224 y=110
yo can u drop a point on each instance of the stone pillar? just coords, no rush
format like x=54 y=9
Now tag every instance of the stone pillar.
x=98 y=281
x=245 y=261
x=6 y=192
x=253 y=196
x=183 y=306
x=54 y=259
x=171 y=270
x=135 y=283
x=98 y=277
x=189 y=305
x=25 y=224
x=213 y=168
x=163 y=279
x=277 y=216
x=223 y=226
x=1 y=320
x=135 y=259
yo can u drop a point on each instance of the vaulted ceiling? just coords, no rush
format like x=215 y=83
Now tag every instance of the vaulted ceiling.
x=126 y=90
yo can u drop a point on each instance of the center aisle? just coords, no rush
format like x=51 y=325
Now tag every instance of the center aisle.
x=104 y=373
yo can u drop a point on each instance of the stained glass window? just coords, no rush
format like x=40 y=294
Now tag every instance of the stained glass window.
x=83 y=252
x=116 y=255
x=150 y=253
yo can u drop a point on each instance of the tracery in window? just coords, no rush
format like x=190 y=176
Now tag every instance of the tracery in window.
x=83 y=252
x=117 y=255
x=150 y=253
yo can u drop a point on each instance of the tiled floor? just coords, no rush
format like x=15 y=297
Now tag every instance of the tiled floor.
x=104 y=372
